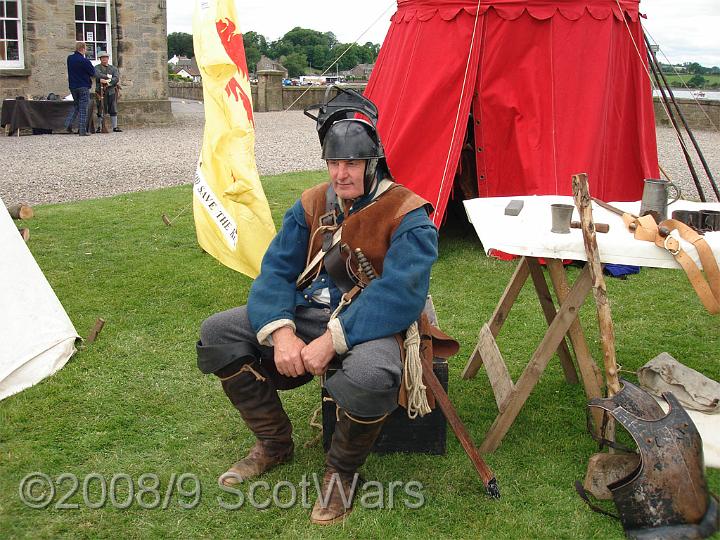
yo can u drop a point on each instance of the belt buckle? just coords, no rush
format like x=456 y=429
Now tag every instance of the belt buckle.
x=674 y=253
x=328 y=219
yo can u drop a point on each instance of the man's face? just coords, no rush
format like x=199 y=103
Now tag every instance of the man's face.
x=104 y=60
x=347 y=177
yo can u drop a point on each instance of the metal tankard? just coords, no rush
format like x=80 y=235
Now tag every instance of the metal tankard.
x=655 y=198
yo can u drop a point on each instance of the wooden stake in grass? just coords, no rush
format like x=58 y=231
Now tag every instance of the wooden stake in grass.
x=20 y=211
x=581 y=194
x=95 y=331
x=25 y=233
x=167 y=221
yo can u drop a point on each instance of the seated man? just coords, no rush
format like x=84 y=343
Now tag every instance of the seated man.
x=292 y=326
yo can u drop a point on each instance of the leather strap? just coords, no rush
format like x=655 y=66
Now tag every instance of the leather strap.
x=585 y=497
x=708 y=290
x=706 y=287
x=336 y=266
x=319 y=256
x=331 y=242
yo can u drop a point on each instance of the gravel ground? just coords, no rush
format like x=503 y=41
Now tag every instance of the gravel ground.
x=53 y=168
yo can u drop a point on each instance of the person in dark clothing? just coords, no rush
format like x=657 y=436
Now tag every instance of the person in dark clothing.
x=81 y=72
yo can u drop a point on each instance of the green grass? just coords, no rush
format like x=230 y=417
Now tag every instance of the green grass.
x=680 y=81
x=133 y=402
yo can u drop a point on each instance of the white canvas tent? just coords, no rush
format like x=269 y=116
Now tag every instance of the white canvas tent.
x=37 y=337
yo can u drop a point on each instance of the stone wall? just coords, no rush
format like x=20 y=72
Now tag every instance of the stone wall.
x=272 y=96
x=145 y=112
x=186 y=90
x=696 y=116
x=295 y=97
x=139 y=50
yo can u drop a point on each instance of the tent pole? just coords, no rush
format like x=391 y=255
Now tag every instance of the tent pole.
x=670 y=114
x=656 y=64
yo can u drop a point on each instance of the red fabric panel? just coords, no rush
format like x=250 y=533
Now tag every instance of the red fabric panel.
x=514 y=107
x=553 y=102
x=560 y=89
x=417 y=86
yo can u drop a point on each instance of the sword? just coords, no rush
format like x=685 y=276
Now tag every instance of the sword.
x=446 y=406
x=615 y=210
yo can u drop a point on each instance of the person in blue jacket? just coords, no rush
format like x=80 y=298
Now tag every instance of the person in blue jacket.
x=304 y=310
x=81 y=73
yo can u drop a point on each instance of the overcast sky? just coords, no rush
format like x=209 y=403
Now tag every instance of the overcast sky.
x=687 y=31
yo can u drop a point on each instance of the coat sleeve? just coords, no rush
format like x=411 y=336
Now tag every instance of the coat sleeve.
x=272 y=295
x=115 y=73
x=395 y=300
x=90 y=69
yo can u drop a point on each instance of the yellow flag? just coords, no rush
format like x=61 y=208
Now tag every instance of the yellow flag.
x=232 y=216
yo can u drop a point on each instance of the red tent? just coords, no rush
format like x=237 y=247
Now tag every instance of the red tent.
x=555 y=87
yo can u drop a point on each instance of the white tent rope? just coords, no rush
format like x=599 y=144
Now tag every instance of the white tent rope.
x=345 y=51
x=457 y=114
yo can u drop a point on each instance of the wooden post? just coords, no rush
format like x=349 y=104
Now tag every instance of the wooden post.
x=548 y=307
x=95 y=331
x=499 y=316
x=581 y=194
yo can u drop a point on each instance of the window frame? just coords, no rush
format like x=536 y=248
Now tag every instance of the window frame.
x=20 y=63
x=108 y=23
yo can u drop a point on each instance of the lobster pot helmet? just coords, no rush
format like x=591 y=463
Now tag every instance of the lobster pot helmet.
x=344 y=135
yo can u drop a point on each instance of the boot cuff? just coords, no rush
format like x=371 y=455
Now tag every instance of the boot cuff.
x=211 y=358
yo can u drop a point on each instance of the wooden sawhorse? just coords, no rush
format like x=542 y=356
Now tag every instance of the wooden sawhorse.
x=510 y=397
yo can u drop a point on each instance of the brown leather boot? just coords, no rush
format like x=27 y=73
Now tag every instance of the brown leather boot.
x=253 y=394
x=351 y=443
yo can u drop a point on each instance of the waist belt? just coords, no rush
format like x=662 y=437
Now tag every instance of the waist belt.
x=707 y=287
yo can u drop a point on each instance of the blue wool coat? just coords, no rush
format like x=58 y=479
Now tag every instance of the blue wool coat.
x=387 y=306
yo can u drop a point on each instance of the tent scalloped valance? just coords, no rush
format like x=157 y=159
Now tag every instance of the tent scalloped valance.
x=513 y=12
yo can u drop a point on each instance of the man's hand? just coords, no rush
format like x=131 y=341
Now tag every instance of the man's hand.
x=318 y=353
x=287 y=352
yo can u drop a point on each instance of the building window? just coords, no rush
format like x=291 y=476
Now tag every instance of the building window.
x=92 y=25
x=11 y=39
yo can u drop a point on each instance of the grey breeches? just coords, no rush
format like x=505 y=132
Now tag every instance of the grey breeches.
x=366 y=382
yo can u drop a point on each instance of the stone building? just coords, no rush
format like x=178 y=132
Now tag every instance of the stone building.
x=361 y=71
x=268 y=64
x=40 y=34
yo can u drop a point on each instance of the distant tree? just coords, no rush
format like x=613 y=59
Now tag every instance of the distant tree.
x=280 y=48
x=318 y=49
x=304 y=37
x=296 y=63
x=255 y=46
x=319 y=56
x=697 y=81
x=695 y=68
x=715 y=70
x=331 y=39
x=181 y=44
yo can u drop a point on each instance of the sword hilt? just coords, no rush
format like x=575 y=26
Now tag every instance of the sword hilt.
x=365 y=265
